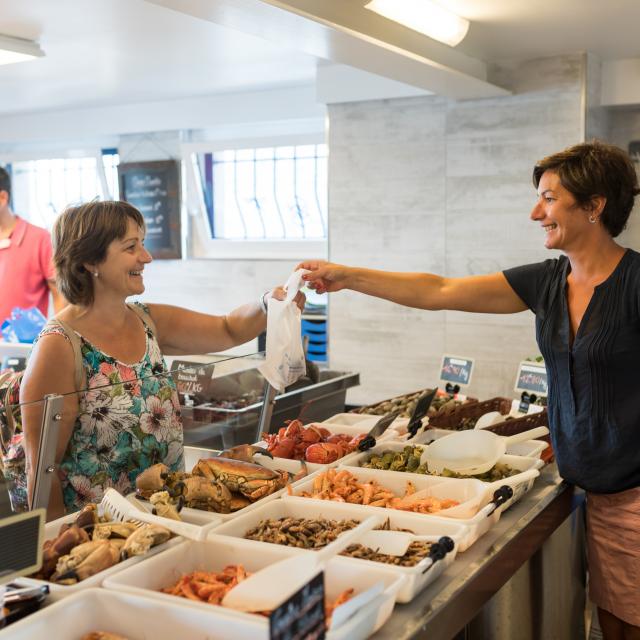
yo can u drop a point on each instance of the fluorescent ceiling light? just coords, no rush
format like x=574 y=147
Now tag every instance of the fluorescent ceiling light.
x=424 y=16
x=18 y=50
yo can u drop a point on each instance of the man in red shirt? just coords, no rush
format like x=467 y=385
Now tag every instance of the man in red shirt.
x=26 y=269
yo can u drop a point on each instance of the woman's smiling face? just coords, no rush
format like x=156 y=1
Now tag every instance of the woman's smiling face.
x=562 y=219
x=125 y=262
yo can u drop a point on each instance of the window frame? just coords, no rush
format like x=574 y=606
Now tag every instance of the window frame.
x=198 y=236
x=69 y=152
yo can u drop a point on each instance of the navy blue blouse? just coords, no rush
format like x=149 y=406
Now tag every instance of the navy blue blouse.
x=594 y=391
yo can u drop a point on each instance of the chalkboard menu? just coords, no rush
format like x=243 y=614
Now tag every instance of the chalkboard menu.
x=154 y=189
x=193 y=379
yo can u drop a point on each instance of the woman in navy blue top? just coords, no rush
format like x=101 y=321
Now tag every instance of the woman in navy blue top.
x=587 y=307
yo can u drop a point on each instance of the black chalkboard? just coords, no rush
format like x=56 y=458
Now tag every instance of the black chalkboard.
x=193 y=379
x=154 y=189
x=532 y=377
x=302 y=616
x=457 y=370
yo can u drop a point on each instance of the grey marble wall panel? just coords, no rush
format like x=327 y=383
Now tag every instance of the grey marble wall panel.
x=491 y=341
x=544 y=75
x=403 y=242
x=597 y=121
x=212 y=286
x=510 y=230
x=490 y=261
x=491 y=379
x=387 y=197
x=402 y=120
x=488 y=193
x=388 y=160
x=524 y=319
x=484 y=156
x=515 y=117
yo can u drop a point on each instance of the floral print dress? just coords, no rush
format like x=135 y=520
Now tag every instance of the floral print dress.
x=128 y=419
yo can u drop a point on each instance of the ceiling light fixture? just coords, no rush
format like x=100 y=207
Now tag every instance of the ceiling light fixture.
x=18 y=50
x=424 y=16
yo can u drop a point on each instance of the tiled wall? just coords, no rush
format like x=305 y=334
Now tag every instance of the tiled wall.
x=426 y=184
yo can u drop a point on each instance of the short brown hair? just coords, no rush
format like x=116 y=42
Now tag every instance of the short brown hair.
x=81 y=235
x=594 y=169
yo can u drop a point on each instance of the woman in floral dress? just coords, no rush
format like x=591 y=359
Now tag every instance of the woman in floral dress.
x=126 y=416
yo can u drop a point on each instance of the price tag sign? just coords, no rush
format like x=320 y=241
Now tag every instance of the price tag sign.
x=456 y=370
x=532 y=378
x=193 y=378
x=301 y=617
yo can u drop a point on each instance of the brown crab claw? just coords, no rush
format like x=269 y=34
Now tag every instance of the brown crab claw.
x=152 y=479
x=304 y=471
x=176 y=491
x=244 y=452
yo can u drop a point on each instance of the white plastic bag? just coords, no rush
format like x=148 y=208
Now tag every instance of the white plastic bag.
x=284 y=362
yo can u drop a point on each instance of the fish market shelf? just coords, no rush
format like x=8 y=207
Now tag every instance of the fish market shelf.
x=445 y=607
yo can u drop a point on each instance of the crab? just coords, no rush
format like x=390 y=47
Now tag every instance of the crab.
x=158 y=478
x=145 y=537
x=86 y=560
x=164 y=507
x=251 y=480
x=204 y=493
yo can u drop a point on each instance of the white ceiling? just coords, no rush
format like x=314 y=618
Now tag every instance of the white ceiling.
x=101 y=52
x=123 y=51
x=526 y=29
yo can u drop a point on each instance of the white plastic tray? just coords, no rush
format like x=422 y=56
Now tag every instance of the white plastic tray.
x=478 y=525
x=59 y=591
x=133 y=616
x=218 y=552
x=365 y=422
x=424 y=529
x=522 y=463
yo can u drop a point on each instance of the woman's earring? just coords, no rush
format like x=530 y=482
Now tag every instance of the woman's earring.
x=96 y=274
x=592 y=219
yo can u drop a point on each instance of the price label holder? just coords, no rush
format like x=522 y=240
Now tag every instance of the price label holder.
x=302 y=616
x=420 y=411
x=456 y=370
x=532 y=379
x=193 y=379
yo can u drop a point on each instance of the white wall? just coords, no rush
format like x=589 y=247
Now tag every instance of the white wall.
x=427 y=184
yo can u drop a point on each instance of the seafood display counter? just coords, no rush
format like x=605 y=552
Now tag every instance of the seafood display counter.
x=453 y=602
x=410 y=550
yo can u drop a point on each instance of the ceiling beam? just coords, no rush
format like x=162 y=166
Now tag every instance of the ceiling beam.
x=342 y=32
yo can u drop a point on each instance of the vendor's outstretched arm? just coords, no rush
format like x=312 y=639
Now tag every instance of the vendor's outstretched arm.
x=482 y=294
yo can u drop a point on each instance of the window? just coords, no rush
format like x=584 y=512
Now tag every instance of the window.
x=43 y=188
x=266 y=193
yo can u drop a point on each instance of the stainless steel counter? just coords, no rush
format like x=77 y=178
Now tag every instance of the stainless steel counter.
x=444 y=608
